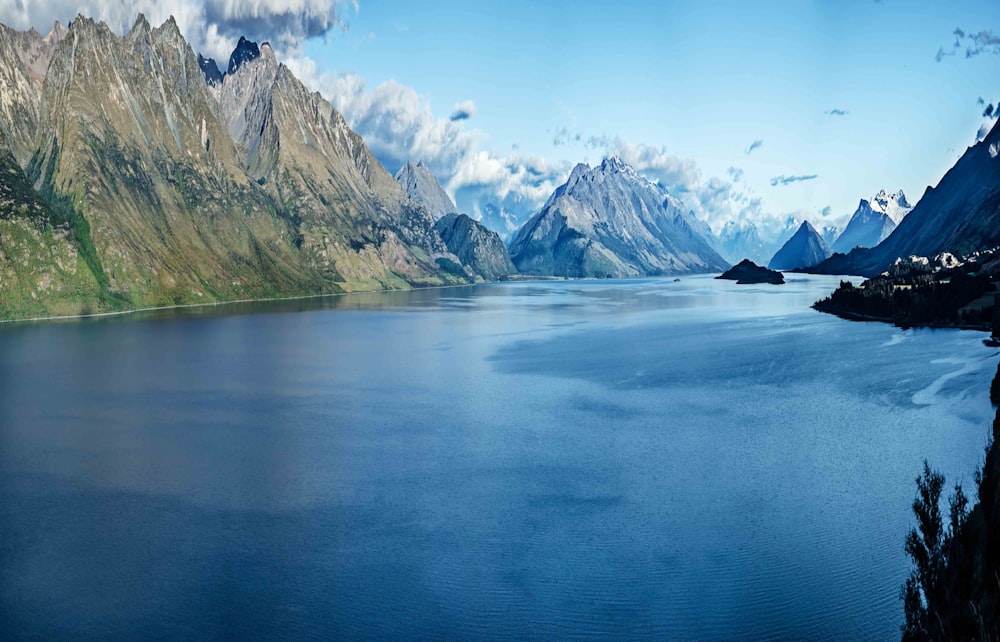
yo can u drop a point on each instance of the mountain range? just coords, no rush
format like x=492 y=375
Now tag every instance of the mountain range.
x=135 y=173
x=961 y=215
x=133 y=177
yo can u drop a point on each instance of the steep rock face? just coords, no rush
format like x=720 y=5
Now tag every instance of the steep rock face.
x=422 y=187
x=24 y=58
x=477 y=247
x=805 y=249
x=356 y=224
x=211 y=70
x=245 y=52
x=610 y=222
x=961 y=216
x=130 y=141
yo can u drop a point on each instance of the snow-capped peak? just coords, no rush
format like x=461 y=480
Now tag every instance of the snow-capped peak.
x=895 y=206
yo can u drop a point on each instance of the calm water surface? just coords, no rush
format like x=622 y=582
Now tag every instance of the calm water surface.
x=684 y=460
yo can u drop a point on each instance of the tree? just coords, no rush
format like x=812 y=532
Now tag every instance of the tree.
x=922 y=591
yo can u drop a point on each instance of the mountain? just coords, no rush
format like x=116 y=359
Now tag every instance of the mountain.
x=608 y=221
x=211 y=70
x=245 y=52
x=739 y=241
x=805 y=249
x=871 y=223
x=895 y=206
x=961 y=215
x=478 y=248
x=829 y=234
x=132 y=182
x=422 y=187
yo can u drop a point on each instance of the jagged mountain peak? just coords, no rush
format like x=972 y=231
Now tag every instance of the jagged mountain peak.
x=423 y=187
x=141 y=25
x=245 y=51
x=169 y=32
x=894 y=205
x=213 y=75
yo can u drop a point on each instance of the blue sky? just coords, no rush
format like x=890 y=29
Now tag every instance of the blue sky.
x=682 y=90
x=698 y=81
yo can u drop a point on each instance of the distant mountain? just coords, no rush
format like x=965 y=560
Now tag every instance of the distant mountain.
x=478 y=248
x=961 y=216
x=742 y=241
x=501 y=220
x=608 y=221
x=872 y=222
x=829 y=234
x=895 y=206
x=422 y=187
x=805 y=249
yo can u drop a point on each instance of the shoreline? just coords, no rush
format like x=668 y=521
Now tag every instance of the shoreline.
x=856 y=316
x=208 y=304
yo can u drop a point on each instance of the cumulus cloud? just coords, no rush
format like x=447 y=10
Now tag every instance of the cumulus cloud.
x=754 y=145
x=837 y=112
x=974 y=43
x=788 y=180
x=826 y=212
x=735 y=173
x=398 y=124
x=463 y=110
x=211 y=26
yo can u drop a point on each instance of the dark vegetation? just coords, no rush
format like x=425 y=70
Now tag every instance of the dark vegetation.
x=953 y=591
x=916 y=295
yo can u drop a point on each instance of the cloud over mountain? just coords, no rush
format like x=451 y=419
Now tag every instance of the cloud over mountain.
x=211 y=26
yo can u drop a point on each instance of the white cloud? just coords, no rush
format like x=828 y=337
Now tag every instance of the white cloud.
x=211 y=26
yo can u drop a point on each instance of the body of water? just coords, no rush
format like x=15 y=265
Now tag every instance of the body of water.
x=649 y=458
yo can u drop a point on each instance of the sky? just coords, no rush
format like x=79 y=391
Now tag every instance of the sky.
x=745 y=111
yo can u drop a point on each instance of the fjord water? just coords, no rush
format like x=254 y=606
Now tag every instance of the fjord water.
x=649 y=458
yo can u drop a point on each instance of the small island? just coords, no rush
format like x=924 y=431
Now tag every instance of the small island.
x=746 y=272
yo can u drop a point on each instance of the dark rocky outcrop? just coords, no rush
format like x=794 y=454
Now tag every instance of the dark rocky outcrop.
x=747 y=272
